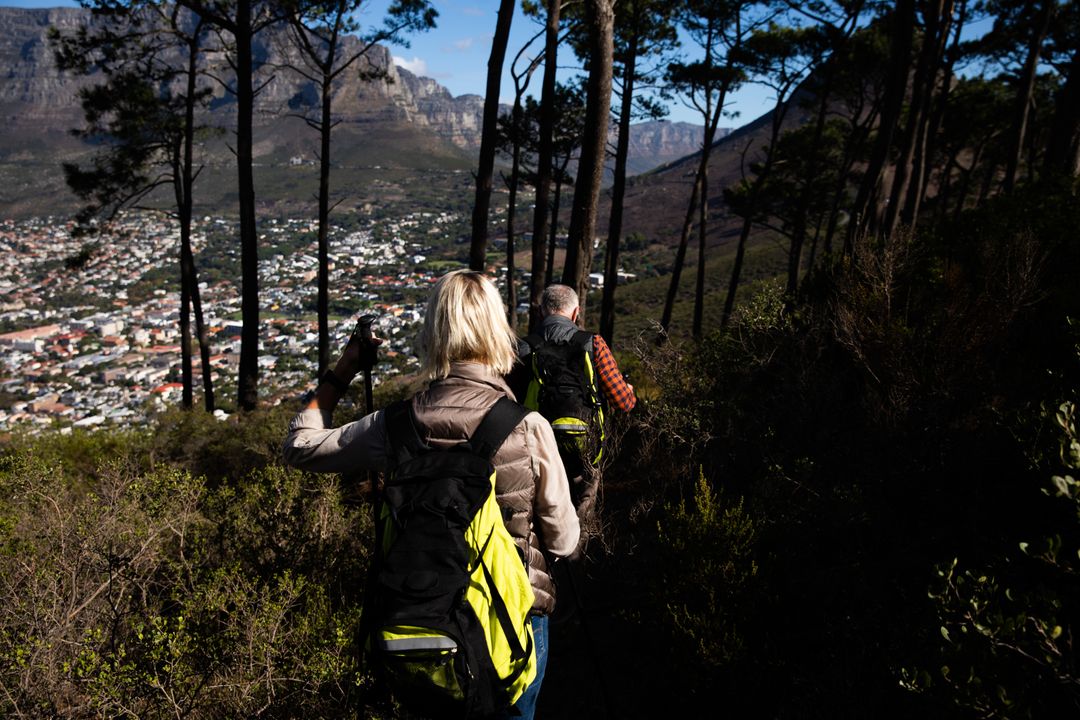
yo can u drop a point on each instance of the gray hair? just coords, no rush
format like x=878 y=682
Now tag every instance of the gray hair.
x=558 y=299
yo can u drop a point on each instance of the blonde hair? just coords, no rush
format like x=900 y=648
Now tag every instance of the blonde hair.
x=465 y=321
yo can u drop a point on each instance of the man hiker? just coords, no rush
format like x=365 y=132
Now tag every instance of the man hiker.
x=572 y=373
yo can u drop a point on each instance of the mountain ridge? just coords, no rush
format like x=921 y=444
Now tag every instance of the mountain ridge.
x=407 y=120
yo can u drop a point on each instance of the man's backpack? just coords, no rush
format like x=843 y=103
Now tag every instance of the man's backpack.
x=563 y=389
x=449 y=614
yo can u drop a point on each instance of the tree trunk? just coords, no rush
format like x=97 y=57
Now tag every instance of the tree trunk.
x=323 y=301
x=546 y=157
x=695 y=196
x=946 y=186
x=185 y=212
x=988 y=181
x=1025 y=92
x=600 y=18
x=802 y=209
x=618 y=193
x=515 y=167
x=549 y=275
x=248 y=385
x=918 y=115
x=927 y=139
x=736 y=271
x=896 y=88
x=815 y=239
x=186 y=399
x=180 y=158
x=859 y=132
x=801 y=222
x=699 y=291
x=680 y=254
x=486 y=170
x=966 y=178
x=1063 y=147
x=755 y=193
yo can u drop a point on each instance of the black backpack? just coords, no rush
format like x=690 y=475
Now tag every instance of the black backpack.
x=448 y=612
x=563 y=388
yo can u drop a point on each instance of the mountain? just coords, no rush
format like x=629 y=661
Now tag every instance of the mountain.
x=402 y=122
x=405 y=123
x=657 y=143
x=35 y=92
x=656 y=201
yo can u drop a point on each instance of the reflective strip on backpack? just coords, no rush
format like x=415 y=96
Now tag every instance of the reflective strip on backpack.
x=570 y=425
x=430 y=642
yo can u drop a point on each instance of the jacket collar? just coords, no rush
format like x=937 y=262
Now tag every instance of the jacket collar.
x=478 y=373
x=558 y=328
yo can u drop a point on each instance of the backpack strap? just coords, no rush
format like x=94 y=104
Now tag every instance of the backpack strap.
x=534 y=342
x=496 y=426
x=405 y=441
x=582 y=339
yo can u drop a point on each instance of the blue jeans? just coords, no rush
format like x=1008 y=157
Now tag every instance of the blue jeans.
x=525 y=707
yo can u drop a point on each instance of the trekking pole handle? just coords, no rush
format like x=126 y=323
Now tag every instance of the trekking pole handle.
x=363 y=327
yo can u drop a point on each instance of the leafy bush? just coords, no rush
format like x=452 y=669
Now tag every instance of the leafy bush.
x=151 y=593
x=77 y=565
x=1008 y=627
x=219 y=449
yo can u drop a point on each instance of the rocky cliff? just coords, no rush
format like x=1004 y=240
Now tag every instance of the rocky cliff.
x=33 y=89
x=399 y=119
x=35 y=93
x=658 y=143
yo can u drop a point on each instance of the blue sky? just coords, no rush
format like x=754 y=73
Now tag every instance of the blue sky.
x=456 y=53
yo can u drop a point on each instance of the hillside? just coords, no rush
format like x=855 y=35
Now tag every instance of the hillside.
x=858 y=498
x=793 y=512
x=656 y=201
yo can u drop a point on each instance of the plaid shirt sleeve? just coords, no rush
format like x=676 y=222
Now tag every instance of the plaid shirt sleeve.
x=618 y=393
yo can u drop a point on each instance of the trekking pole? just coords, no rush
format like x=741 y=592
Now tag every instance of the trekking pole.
x=363 y=330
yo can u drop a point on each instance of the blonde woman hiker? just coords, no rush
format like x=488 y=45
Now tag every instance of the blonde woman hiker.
x=466 y=349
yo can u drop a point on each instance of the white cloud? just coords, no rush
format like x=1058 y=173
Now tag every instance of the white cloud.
x=416 y=66
x=459 y=46
x=473 y=11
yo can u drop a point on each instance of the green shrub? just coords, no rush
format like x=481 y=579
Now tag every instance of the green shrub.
x=220 y=449
x=154 y=594
x=278 y=519
x=1008 y=626
x=707 y=574
x=78 y=566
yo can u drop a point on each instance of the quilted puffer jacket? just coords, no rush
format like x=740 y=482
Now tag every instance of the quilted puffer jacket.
x=530 y=482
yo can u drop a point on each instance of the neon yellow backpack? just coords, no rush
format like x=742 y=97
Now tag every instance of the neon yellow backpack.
x=449 y=629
